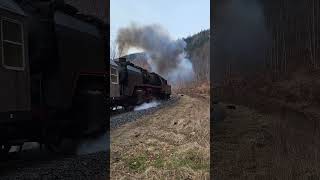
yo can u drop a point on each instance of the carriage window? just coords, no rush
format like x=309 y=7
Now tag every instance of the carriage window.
x=12 y=45
x=114 y=75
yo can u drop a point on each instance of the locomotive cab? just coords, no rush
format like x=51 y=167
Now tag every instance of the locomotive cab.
x=114 y=81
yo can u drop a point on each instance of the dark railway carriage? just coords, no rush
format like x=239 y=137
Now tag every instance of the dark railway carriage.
x=14 y=69
x=52 y=73
x=15 y=102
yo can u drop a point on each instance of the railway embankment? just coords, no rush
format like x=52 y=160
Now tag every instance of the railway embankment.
x=172 y=142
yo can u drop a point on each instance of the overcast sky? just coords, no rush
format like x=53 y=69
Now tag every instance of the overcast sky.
x=180 y=17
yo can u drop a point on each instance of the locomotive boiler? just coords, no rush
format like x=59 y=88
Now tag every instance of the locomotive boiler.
x=132 y=85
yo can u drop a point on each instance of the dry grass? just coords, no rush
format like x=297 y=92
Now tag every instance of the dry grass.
x=241 y=144
x=173 y=143
x=295 y=152
x=195 y=89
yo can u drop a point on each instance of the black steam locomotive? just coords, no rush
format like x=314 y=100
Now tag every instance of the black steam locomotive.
x=52 y=74
x=132 y=85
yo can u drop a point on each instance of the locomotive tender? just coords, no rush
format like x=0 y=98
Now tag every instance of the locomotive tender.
x=52 y=73
x=132 y=85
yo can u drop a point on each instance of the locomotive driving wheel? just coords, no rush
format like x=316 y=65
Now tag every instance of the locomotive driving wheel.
x=63 y=146
x=53 y=138
x=54 y=134
x=90 y=108
x=140 y=96
x=128 y=107
x=59 y=144
x=4 y=150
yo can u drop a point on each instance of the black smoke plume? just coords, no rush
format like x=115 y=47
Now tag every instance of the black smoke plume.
x=167 y=56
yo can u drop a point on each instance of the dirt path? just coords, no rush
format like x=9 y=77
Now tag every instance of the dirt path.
x=172 y=143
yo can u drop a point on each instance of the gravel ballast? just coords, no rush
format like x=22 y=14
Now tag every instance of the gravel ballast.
x=120 y=119
x=91 y=166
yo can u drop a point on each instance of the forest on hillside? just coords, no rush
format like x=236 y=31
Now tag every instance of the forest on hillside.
x=273 y=38
x=198 y=51
x=263 y=45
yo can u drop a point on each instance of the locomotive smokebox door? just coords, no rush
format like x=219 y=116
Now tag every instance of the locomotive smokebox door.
x=14 y=68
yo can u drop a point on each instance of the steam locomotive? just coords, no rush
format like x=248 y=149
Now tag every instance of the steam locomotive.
x=52 y=73
x=132 y=85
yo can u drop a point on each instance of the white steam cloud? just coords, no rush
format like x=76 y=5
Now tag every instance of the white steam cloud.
x=166 y=56
x=147 y=105
x=89 y=146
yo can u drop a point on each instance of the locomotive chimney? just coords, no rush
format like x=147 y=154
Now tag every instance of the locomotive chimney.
x=122 y=60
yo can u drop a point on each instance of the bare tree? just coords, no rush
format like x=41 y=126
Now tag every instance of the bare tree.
x=113 y=50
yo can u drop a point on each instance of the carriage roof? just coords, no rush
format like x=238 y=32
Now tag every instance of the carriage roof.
x=11 y=6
